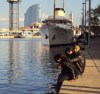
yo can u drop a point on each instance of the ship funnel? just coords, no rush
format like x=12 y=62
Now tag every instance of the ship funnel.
x=59 y=12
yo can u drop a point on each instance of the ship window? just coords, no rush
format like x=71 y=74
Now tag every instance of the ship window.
x=60 y=21
x=46 y=36
x=64 y=22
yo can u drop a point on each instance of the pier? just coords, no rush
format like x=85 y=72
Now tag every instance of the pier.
x=89 y=82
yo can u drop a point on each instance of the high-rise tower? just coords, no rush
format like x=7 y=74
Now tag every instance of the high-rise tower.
x=33 y=15
x=13 y=14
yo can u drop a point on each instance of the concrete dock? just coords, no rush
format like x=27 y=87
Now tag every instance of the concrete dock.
x=89 y=82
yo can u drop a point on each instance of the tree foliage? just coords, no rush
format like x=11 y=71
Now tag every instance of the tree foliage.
x=95 y=14
x=97 y=10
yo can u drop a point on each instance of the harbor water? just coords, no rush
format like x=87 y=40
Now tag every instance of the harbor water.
x=26 y=67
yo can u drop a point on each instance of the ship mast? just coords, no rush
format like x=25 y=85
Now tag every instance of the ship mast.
x=63 y=4
x=54 y=8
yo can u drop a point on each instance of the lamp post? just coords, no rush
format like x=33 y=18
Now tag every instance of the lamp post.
x=85 y=11
x=89 y=41
x=83 y=25
x=85 y=14
x=85 y=21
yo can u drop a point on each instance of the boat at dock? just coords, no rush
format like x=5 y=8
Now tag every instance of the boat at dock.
x=6 y=35
x=57 y=30
x=27 y=34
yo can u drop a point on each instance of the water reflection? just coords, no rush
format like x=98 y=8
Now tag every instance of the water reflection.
x=13 y=67
x=47 y=59
x=49 y=68
x=27 y=67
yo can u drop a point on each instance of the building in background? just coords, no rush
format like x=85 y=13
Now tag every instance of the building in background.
x=33 y=15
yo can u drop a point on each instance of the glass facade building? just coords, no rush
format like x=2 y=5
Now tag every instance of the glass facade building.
x=33 y=15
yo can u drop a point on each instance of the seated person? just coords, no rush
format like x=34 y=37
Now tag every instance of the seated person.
x=76 y=57
x=68 y=71
x=72 y=64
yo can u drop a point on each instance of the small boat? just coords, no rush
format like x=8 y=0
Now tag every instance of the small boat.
x=27 y=34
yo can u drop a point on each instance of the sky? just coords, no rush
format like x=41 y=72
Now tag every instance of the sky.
x=47 y=9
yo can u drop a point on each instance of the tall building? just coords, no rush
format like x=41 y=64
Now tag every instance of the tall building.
x=33 y=15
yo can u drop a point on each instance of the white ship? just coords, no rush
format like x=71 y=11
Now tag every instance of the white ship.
x=57 y=30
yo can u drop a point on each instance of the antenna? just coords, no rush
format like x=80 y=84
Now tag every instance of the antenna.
x=13 y=14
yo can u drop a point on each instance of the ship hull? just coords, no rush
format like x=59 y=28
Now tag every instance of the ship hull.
x=53 y=35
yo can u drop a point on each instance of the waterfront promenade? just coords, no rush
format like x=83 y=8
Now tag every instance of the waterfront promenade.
x=89 y=82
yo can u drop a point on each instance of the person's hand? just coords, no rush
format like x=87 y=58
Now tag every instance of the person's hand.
x=69 y=60
x=57 y=65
